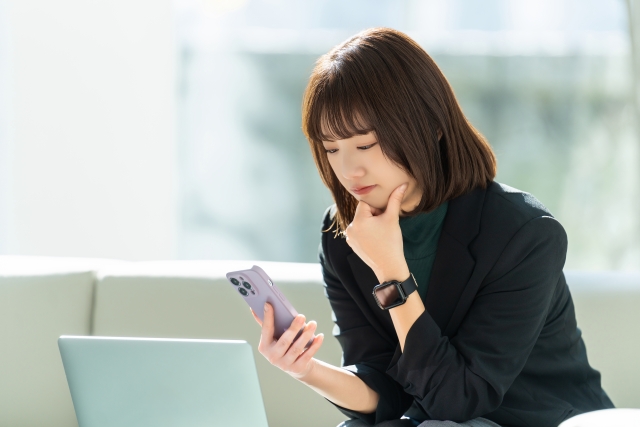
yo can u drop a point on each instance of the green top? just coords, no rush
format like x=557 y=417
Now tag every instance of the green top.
x=420 y=236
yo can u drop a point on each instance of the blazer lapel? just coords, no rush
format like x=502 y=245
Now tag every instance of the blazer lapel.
x=454 y=264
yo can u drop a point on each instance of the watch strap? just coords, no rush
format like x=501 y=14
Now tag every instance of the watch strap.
x=409 y=286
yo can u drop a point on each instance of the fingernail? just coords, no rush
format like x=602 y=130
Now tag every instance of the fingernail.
x=403 y=187
x=266 y=307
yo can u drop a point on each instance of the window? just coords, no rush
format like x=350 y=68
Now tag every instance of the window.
x=549 y=83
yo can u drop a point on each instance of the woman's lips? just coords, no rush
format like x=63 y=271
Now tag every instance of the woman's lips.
x=361 y=191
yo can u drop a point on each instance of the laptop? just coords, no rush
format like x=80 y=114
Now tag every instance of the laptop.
x=149 y=382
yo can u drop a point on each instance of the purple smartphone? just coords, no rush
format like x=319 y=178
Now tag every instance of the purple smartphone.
x=256 y=288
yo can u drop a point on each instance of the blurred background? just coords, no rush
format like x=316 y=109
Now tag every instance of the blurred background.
x=171 y=129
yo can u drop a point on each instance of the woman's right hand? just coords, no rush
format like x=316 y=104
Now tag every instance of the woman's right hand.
x=285 y=353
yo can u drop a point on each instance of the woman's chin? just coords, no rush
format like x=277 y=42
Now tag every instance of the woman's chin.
x=374 y=202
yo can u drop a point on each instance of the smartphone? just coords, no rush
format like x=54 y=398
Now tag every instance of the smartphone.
x=256 y=288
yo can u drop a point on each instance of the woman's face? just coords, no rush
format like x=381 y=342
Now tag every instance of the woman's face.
x=367 y=174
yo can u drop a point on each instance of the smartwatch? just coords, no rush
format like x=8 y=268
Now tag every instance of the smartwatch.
x=394 y=293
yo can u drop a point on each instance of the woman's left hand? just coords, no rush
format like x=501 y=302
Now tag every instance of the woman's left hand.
x=376 y=238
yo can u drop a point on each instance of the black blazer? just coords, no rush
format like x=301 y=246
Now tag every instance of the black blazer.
x=498 y=338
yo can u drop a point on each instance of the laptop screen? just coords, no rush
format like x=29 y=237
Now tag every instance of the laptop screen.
x=146 y=382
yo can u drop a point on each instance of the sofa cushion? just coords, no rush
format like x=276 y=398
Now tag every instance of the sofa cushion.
x=193 y=299
x=606 y=417
x=40 y=299
x=607 y=309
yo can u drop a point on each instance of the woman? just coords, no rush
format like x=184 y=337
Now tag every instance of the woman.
x=447 y=287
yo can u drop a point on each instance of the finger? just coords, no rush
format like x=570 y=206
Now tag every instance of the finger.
x=255 y=316
x=395 y=200
x=363 y=210
x=299 y=344
x=285 y=340
x=306 y=356
x=266 y=336
x=297 y=348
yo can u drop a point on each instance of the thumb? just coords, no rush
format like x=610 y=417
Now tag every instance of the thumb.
x=395 y=200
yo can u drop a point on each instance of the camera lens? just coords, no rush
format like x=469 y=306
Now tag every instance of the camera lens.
x=235 y=281
x=246 y=285
x=243 y=291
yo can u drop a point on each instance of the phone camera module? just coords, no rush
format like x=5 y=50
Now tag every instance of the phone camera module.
x=235 y=281
x=246 y=285
x=243 y=291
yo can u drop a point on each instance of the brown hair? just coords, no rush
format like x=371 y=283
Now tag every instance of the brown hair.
x=381 y=80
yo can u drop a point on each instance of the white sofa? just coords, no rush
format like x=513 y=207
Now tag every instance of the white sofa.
x=43 y=298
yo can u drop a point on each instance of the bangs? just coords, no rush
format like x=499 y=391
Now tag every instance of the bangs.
x=336 y=111
x=337 y=124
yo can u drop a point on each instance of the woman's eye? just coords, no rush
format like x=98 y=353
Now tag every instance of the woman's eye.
x=331 y=151
x=366 y=147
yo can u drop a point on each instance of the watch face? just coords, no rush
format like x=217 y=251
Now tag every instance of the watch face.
x=388 y=295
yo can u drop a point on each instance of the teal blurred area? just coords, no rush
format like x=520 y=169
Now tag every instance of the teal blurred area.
x=550 y=84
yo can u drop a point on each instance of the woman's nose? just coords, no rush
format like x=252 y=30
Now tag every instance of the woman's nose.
x=351 y=168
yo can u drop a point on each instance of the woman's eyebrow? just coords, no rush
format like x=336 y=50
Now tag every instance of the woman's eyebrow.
x=367 y=141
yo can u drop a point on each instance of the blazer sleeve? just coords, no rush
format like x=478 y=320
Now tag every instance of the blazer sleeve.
x=364 y=351
x=467 y=376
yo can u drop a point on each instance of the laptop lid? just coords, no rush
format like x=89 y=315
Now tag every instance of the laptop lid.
x=145 y=382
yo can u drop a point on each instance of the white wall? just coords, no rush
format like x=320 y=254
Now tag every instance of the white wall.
x=92 y=125
x=5 y=164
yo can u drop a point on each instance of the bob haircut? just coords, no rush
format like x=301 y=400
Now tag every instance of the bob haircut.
x=382 y=81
